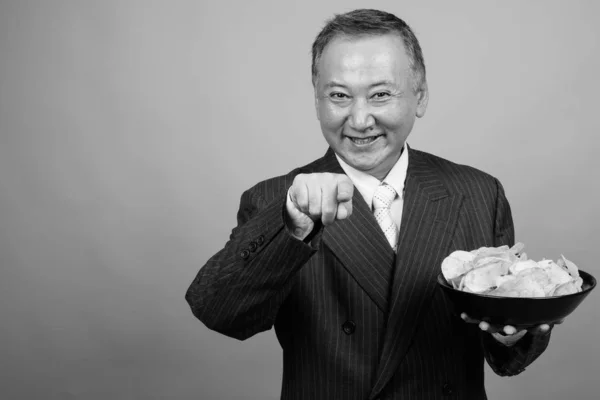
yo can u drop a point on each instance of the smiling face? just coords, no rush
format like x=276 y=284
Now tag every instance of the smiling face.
x=365 y=100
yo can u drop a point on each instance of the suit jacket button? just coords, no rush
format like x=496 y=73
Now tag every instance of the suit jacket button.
x=260 y=240
x=245 y=254
x=253 y=246
x=447 y=389
x=349 y=327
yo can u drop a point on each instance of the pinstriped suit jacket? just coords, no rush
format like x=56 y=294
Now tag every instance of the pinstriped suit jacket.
x=354 y=320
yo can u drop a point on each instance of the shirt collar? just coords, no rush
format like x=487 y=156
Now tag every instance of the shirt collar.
x=367 y=184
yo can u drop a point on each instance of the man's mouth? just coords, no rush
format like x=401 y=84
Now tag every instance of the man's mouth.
x=365 y=140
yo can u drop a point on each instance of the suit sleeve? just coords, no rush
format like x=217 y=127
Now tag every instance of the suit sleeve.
x=239 y=291
x=508 y=361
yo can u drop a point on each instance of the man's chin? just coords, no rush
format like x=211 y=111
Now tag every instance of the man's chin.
x=375 y=166
x=368 y=167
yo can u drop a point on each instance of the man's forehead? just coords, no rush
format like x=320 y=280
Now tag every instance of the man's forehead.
x=370 y=60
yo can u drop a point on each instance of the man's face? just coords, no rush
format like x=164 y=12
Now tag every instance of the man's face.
x=365 y=100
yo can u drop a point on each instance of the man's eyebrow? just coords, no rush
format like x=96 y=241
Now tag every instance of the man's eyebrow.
x=332 y=84
x=384 y=82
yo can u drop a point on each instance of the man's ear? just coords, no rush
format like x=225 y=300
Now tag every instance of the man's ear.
x=422 y=100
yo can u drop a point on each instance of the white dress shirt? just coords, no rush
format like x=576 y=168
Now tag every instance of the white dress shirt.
x=367 y=184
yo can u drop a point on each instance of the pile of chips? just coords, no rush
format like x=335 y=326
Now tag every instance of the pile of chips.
x=506 y=272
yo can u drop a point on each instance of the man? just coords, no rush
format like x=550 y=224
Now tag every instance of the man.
x=341 y=256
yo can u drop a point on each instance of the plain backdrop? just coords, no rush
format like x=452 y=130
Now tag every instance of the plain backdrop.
x=129 y=130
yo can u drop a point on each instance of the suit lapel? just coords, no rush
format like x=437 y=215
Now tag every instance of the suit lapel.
x=429 y=218
x=360 y=245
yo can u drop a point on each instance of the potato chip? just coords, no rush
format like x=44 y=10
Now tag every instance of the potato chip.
x=517 y=249
x=483 y=277
x=556 y=274
x=457 y=264
x=502 y=279
x=568 y=288
x=520 y=265
x=535 y=274
x=525 y=286
x=507 y=272
x=571 y=268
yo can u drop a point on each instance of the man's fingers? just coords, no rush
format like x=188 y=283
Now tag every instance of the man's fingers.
x=314 y=201
x=510 y=330
x=344 y=210
x=540 y=329
x=468 y=319
x=490 y=328
x=345 y=189
x=487 y=327
x=323 y=196
x=299 y=196
x=544 y=328
x=329 y=205
x=484 y=326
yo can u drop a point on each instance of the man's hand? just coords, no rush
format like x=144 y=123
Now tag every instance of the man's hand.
x=507 y=334
x=320 y=196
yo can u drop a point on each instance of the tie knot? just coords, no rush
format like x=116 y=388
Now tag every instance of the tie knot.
x=383 y=196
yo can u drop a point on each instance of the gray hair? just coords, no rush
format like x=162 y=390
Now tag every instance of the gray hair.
x=366 y=22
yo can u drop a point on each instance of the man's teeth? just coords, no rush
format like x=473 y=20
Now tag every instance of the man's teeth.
x=364 y=140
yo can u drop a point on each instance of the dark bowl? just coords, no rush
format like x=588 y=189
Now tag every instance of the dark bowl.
x=517 y=311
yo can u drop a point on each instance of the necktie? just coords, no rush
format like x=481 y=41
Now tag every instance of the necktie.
x=382 y=201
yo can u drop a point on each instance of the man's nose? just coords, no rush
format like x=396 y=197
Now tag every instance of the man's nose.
x=360 y=116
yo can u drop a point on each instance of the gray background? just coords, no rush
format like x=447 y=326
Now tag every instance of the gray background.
x=129 y=129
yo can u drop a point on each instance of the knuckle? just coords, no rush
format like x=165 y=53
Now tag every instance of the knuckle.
x=299 y=179
x=313 y=210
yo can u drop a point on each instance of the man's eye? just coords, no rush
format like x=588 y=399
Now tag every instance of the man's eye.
x=338 y=96
x=381 y=95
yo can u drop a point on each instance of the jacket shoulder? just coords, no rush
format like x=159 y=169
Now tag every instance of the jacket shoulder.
x=457 y=174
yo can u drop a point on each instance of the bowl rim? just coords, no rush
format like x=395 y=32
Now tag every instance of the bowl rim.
x=587 y=277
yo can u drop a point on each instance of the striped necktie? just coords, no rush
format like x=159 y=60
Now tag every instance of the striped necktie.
x=382 y=201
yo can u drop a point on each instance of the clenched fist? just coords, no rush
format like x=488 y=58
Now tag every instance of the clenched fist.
x=319 y=196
